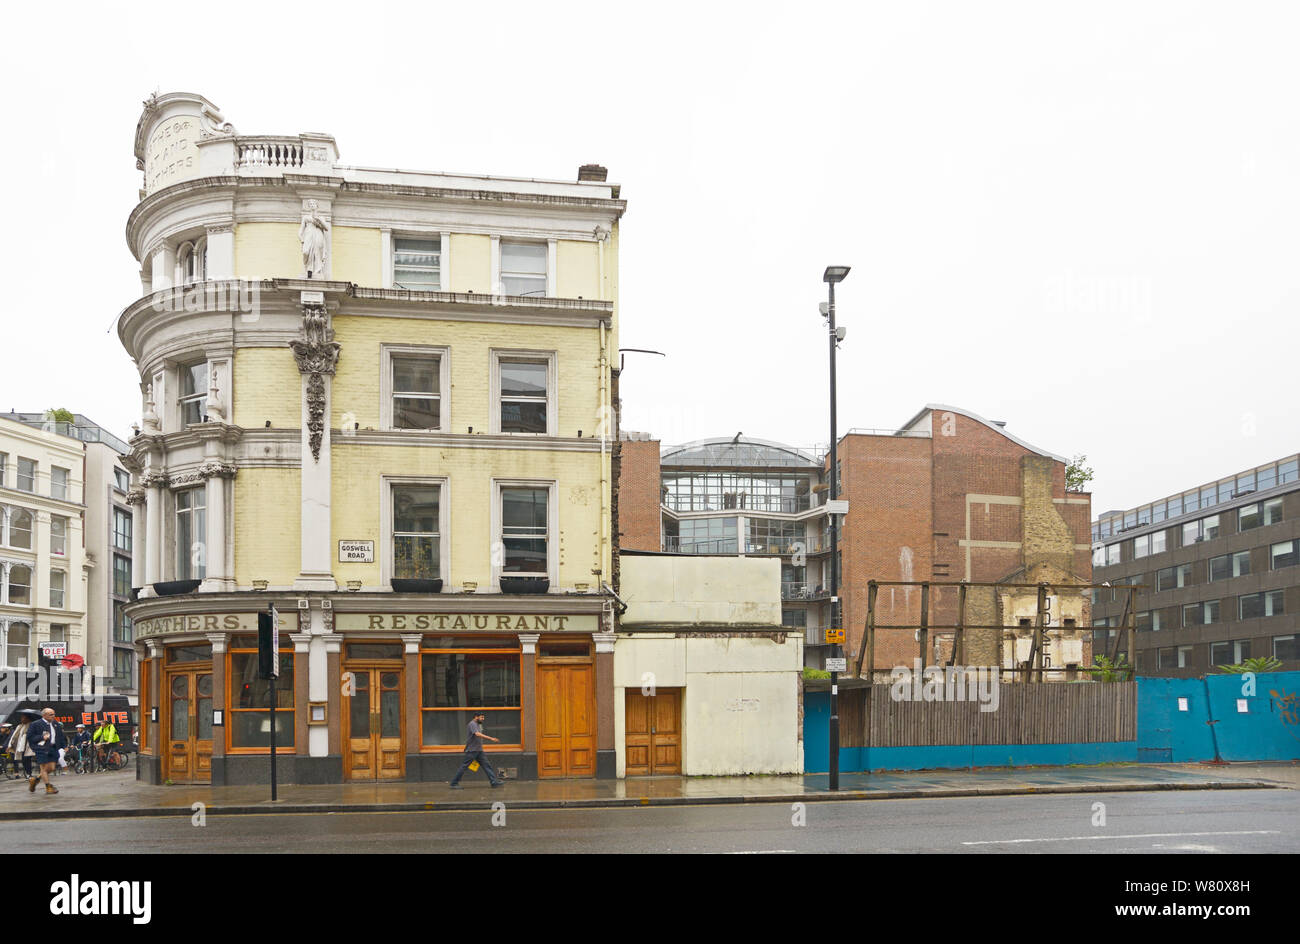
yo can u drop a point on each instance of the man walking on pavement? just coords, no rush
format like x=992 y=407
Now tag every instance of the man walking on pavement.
x=474 y=752
x=45 y=738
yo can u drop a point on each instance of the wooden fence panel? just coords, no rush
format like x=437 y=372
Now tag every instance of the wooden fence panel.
x=1050 y=713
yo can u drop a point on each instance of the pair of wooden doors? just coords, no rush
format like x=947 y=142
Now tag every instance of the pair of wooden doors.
x=188 y=697
x=566 y=718
x=653 y=732
x=372 y=713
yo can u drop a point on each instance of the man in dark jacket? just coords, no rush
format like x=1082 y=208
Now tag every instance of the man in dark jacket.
x=46 y=737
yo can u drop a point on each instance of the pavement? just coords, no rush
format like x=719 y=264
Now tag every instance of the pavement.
x=118 y=794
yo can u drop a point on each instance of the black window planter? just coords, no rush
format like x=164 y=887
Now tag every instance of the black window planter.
x=416 y=585
x=171 y=588
x=519 y=583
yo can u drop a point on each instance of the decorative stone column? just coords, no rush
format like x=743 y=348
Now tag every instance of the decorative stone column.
x=302 y=693
x=604 y=690
x=155 y=694
x=215 y=473
x=139 y=517
x=221 y=252
x=334 y=694
x=218 y=641
x=411 y=704
x=528 y=688
x=154 y=483
x=317 y=354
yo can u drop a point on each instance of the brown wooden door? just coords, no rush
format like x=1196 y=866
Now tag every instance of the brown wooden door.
x=566 y=720
x=654 y=732
x=372 y=715
x=189 y=726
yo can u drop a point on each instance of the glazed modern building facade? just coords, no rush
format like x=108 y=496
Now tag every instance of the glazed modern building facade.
x=381 y=401
x=1219 y=567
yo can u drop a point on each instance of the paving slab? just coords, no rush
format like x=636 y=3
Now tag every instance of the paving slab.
x=118 y=794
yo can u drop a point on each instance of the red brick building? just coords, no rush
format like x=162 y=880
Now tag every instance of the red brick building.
x=950 y=496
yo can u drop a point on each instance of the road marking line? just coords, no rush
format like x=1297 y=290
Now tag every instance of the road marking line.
x=1239 y=832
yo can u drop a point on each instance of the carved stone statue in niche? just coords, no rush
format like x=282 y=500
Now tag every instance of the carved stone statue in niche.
x=314 y=234
x=216 y=406
x=150 y=418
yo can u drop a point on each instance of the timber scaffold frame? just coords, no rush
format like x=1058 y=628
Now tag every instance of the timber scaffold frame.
x=1033 y=671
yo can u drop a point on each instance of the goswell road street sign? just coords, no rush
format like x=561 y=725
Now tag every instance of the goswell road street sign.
x=834 y=636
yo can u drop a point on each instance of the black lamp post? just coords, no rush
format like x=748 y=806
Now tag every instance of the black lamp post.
x=833 y=275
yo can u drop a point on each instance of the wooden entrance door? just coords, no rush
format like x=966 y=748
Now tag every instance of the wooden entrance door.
x=654 y=732
x=373 y=723
x=566 y=720
x=189 y=726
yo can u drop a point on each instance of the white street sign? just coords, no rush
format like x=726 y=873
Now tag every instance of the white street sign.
x=837 y=665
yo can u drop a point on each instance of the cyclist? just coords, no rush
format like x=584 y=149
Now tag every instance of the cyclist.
x=81 y=744
x=106 y=737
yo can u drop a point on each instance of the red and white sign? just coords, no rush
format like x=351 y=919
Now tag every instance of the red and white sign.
x=54 y=650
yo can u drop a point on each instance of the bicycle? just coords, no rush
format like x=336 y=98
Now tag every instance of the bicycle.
x=111 y=757
x=83 y=761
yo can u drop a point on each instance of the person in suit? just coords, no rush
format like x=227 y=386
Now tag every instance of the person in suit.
x=46 y=737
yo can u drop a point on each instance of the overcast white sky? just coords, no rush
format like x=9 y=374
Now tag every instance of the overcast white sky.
x=1082 y=219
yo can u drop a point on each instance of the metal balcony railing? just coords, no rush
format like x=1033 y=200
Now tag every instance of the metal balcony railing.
x=801 y=590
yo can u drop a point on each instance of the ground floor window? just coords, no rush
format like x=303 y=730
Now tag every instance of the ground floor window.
x=462 y=675
x=248 y=700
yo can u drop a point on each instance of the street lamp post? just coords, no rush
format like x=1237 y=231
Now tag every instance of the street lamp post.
x=833 y=275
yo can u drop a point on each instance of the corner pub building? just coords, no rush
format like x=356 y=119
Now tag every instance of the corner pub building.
x=380 y=400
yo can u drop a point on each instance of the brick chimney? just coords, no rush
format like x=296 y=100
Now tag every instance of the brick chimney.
x=592 y=172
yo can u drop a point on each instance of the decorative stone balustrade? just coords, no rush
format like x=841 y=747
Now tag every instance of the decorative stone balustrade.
x=271 y=153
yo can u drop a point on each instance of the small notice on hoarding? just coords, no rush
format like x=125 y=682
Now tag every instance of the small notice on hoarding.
x=834 y=637
x=356 y=552
x=837 y=665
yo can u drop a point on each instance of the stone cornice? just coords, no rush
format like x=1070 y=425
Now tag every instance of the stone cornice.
x=251 y=601
x=406 y=437
x=294 y=183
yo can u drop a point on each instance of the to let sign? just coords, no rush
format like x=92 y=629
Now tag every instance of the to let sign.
x=356 y=552
x=54 y=650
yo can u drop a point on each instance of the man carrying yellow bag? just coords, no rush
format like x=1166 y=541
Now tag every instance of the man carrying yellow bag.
x=474 y=756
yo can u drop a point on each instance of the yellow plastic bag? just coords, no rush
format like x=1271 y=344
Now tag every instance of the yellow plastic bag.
x=474 y=766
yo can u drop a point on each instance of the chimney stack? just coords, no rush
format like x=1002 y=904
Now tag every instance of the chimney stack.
x=592 y=172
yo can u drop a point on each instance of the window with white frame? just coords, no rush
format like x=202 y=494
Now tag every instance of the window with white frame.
x=4 y=469
x=18 y=528
x=1284 y=554
x=26 y=475
x=417 y=263
x=525 y=389
x=417 y=531
x=194 y=393
x=18 y=585
x=525 y=529
x=58 y=482
x=58 y=535
x=121 y=480
x=416 y=384
x=191 y=534
x=58 y=583
x=523 y=268
x=17 y=643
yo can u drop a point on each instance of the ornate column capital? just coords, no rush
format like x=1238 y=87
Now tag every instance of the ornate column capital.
x=215 y=468
x=154 y=479
x=135 y=496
